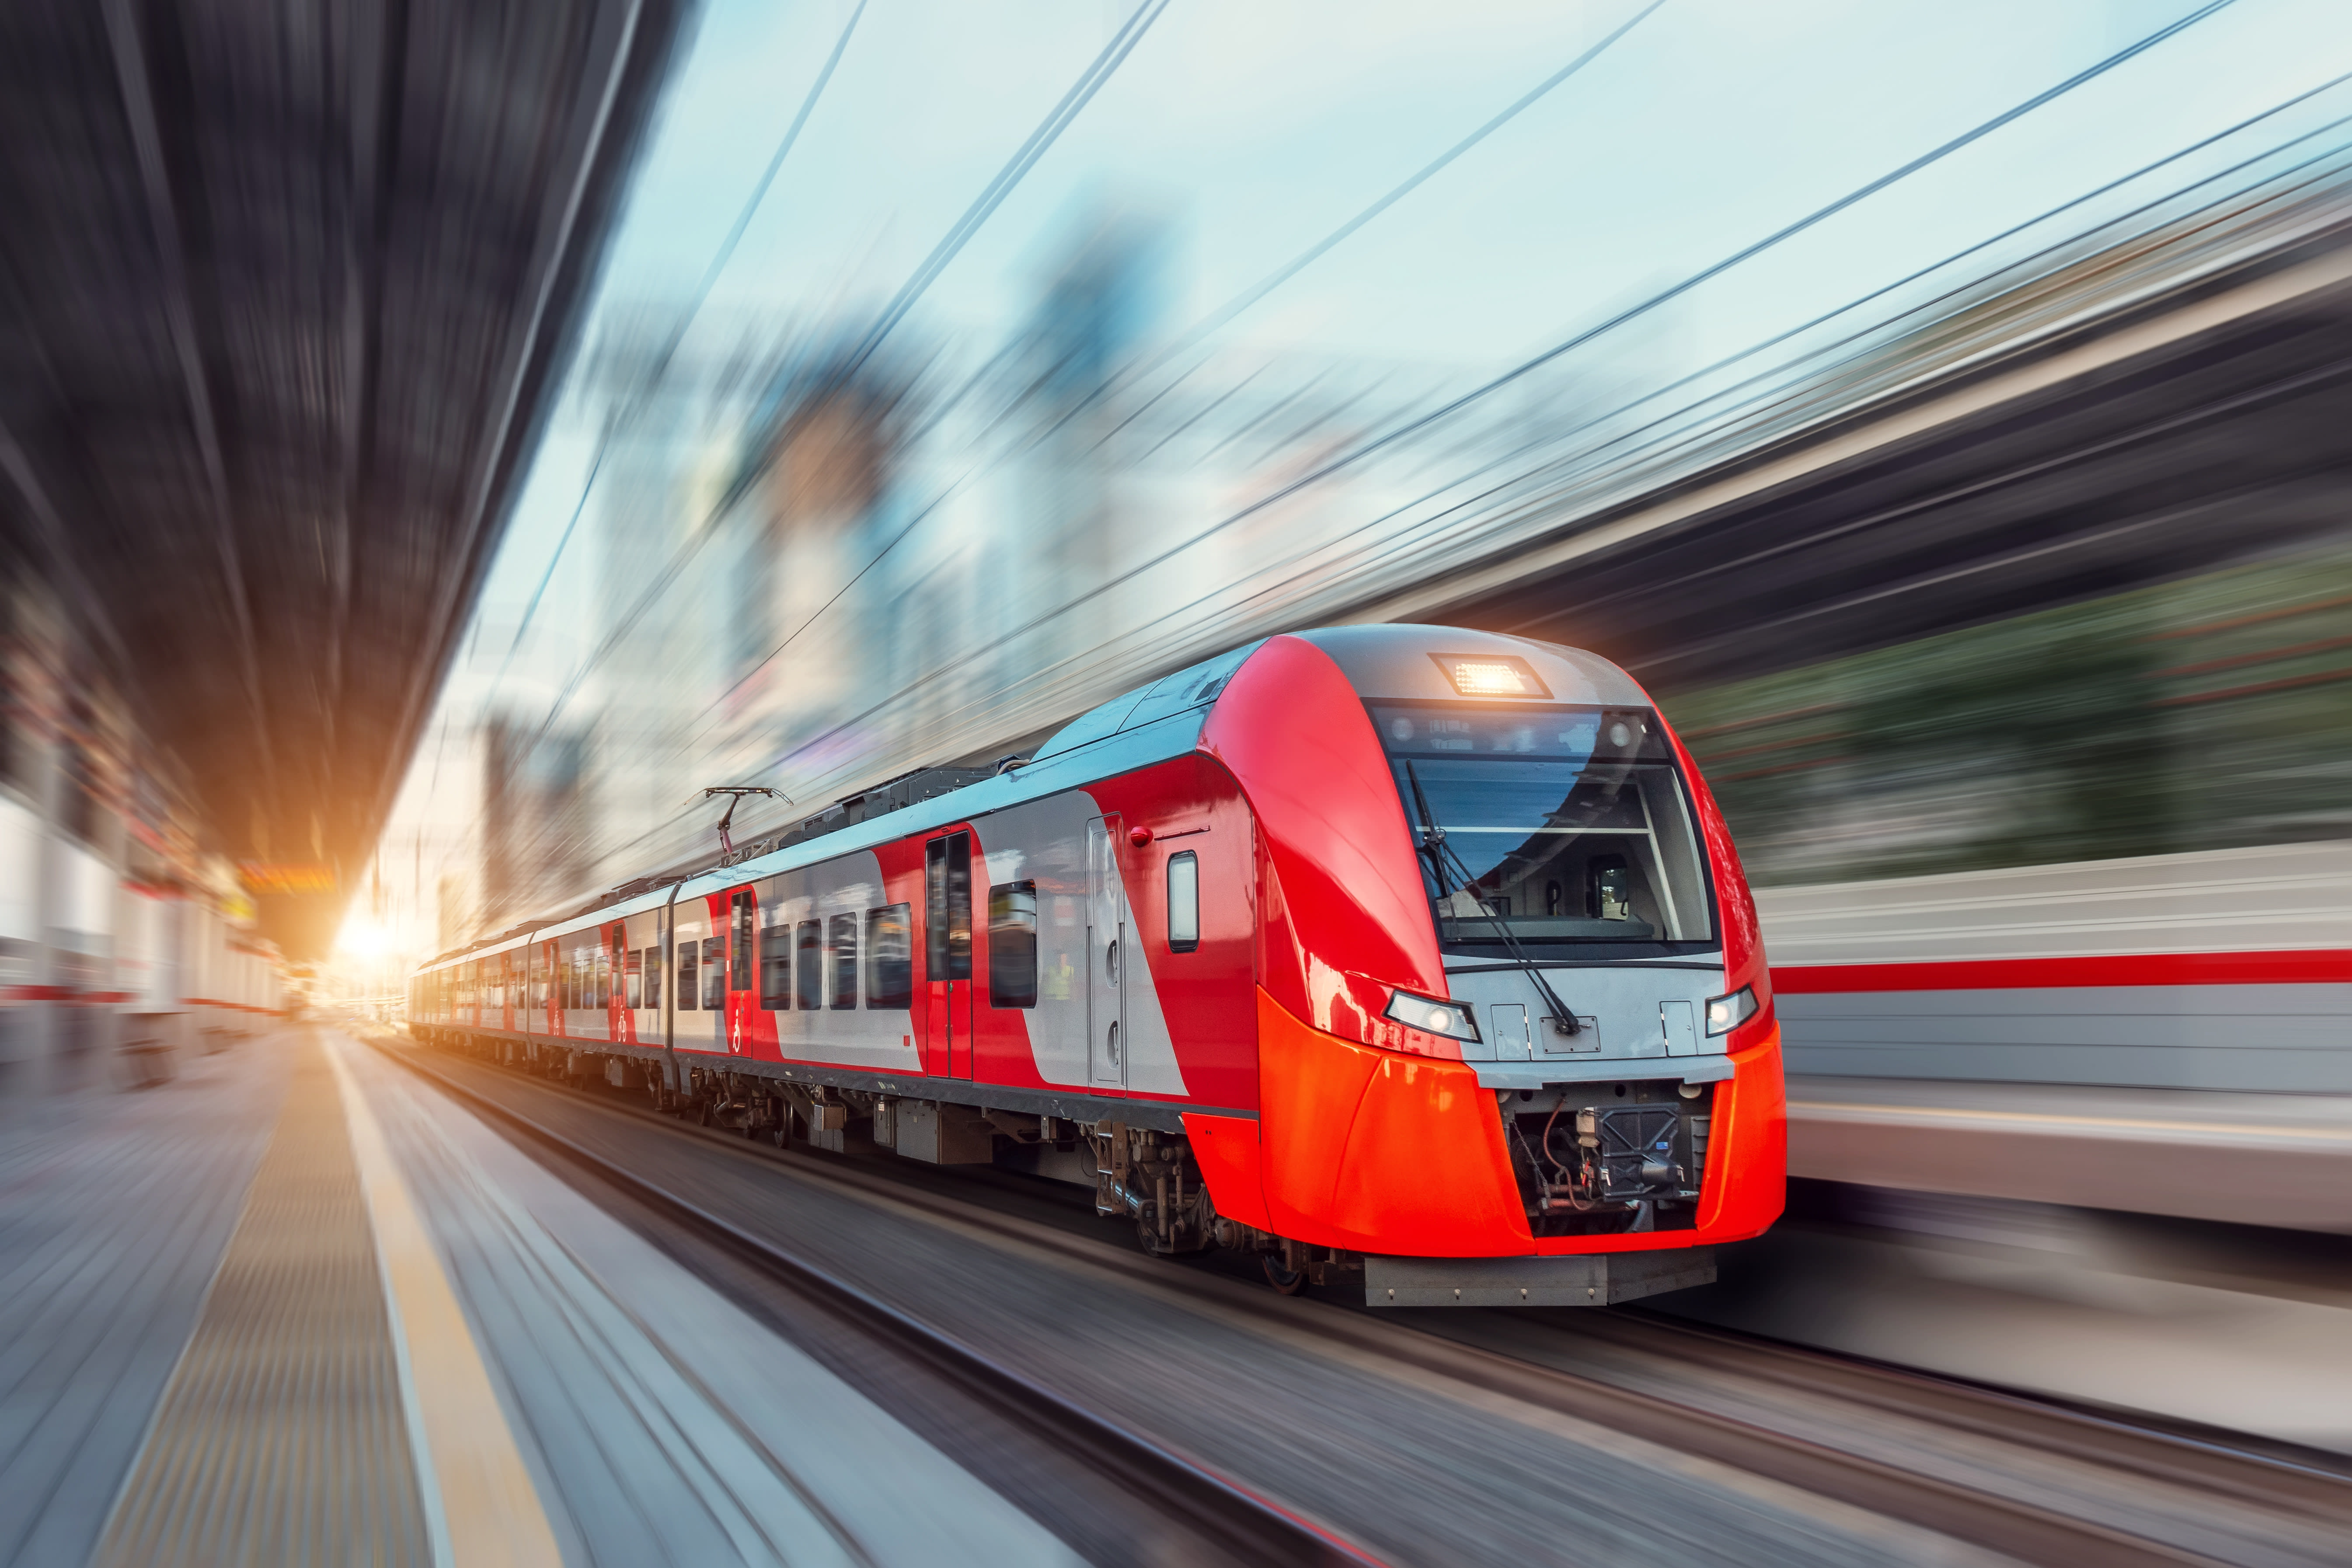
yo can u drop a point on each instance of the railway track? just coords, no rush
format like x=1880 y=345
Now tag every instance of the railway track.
x=1513 y=1357
x=1218 y=1515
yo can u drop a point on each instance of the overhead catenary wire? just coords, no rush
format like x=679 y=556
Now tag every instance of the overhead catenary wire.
x=1391 y=436
x=1396 y=434
x=1240 y=303
x=1169 y=644
x=1257 y=291
x=659 y=368
x=1049 y=130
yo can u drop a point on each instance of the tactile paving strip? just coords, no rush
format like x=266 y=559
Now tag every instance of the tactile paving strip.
x=281 y=1438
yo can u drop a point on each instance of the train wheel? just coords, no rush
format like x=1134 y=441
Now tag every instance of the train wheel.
x=1289 y=1281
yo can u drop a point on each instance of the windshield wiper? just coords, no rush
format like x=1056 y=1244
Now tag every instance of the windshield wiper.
x=1433 y=843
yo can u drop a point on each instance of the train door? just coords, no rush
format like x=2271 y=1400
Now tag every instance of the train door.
x=947 y=955
x=616 y=986
x=1105 y=959
x=743 y=910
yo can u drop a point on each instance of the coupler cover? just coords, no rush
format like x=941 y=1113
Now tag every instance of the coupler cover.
x=1584 y=1279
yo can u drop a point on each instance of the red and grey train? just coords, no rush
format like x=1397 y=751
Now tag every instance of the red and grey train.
x=1406 y=954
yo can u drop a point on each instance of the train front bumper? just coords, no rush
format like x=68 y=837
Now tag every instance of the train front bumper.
x=1402 y=1157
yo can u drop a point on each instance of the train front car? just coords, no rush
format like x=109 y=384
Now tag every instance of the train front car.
x=1516 y=1033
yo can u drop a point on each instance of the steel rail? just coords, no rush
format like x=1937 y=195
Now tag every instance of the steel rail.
x=2029 y=1532
x=1240 y=1525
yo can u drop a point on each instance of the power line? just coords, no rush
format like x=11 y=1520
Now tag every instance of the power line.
x=1487 y=389
x=652 y=376
x=1248 y=297
x=1025 y=158
x=1251 y=296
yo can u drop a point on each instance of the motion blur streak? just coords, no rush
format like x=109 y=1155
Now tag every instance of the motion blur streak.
x=1480 y=658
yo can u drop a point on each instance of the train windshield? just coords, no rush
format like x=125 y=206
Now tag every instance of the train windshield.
x=1545 y=828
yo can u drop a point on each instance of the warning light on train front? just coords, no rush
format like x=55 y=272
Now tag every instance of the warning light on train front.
x=1490 y=675
x=1481 y=680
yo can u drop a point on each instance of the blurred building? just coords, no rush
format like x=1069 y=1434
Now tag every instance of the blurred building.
x=537 y=827
x=116 y=922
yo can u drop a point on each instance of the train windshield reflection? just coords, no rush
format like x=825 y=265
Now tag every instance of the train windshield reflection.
x=1558 y=826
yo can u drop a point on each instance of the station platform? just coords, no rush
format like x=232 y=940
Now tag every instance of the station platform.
x=294 y=1307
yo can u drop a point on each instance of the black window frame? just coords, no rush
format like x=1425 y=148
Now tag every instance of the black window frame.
x=841 y=963
x=891 y=976
x=776 y=967
x=714 y=973
x=947 y=907
x=1012 y=945
x=808 y=966
x=739 y=971
x=1192 y=860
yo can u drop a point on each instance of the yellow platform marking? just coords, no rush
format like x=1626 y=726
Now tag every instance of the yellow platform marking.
x=488 y=1507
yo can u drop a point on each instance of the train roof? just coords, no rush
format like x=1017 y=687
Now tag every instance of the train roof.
x=1150 y=725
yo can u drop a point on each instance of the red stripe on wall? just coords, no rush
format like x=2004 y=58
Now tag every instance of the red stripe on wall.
x=2321 y=966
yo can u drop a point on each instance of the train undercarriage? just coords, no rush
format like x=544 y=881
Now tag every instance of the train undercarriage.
x=1589 y=1159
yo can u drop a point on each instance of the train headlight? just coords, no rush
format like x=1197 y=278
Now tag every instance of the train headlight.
x=1451 y=1019
x=1725 y=1014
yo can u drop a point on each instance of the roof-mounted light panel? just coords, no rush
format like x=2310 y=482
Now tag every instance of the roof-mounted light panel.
x=1491 y=675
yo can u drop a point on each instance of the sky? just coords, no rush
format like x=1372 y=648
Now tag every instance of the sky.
x=1247 y=133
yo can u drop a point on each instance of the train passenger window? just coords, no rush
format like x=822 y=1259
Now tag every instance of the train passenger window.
x=603 y=962
x=632 y=988
x=947 y=908
x=652 y=964
x=739 y=976
x=1183 y=903
x=714 y=973
x=844 y=943
x=1012 y=944
x=891 y=956
x=776 y=968
x=689 y=967
x=808 y=983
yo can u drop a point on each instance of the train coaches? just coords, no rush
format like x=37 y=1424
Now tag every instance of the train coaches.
x=1404 y=956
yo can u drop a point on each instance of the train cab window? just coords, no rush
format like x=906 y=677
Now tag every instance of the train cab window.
x=652 y=964
x=947 y=908
x=1548 y=827
x=1183 y=903
x=689 y=971
x=842 y=931
x=891 y=956
x=776 y=968
x=808 y=980
x=714 y=973
x=1012 y=944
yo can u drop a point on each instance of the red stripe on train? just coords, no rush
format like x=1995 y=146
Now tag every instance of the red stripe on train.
x=2315 y=967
